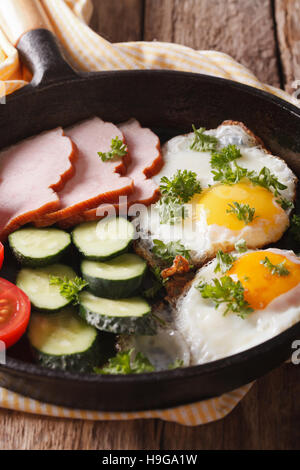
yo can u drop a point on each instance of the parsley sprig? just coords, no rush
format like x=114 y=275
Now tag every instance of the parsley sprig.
x=241 y=246
x=168 y=251
x=226 y=291
x=295 y=227
x=69 y=288
x=278 y=269
x=203 y=142
x=224 y=261
x=285 y=203
x=157 y=285
x=117 y=149
x=267 y=180
x=170 y=210
x=175 y=193
x=183 y=185
x=125 y=363
x=227 y=171
x=243 y=212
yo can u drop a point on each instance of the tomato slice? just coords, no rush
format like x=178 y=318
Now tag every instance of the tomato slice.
x=1 y=254
x=14 y=312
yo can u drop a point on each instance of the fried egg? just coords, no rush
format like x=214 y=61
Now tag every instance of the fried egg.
x=274 y=298
x=210 y=224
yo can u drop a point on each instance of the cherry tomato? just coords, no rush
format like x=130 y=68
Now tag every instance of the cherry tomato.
x=1 y=254
x=14 y=312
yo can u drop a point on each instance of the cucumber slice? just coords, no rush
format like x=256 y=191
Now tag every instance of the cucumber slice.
x=116 y=278
x=131 y=316
x=35 y=282
x=64 y=341
x=39 y=247
x=102 y=240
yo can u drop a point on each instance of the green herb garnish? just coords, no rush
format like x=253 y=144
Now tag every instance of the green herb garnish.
x=231 y=175
x=225 y=261
x=69 y=288
x=267 y=180
x=170 y=210
x=117 y=149
x=183 y=185
x=203 y=142
x=176 y=364
x=285 y=203
x=278 y=269
x=175 y=193
x=226 y=291
x=225 y=156
x=243 y=212
x=168 y=251
x=158 y=284
x=240 y=246
x=124 y=363
x=295 y=227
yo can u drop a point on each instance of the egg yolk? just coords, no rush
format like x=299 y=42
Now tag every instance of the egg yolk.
x=216 y=199
x=261 y=286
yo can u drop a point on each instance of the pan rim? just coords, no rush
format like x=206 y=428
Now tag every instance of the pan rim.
x=17 y=366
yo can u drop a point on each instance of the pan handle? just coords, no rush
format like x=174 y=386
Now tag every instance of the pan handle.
x=28 y=28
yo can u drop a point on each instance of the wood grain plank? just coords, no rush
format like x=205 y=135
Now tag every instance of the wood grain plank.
x=267 y=418
x=243 y=29
x=287 y=14
x=118 y=20
x=23 y=432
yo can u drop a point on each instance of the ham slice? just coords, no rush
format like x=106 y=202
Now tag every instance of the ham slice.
x=146 y=161
x=30 y=174
x=95 y=181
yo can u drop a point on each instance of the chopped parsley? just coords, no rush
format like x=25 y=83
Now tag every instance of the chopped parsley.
x=168 y=251
x=170 y=210
x=157 y=285
x=231 y=175
x=203 y=142
x=182 y=186
x=243 y=212
x=69 y=288
x=175 y=193
x=285 y=203
x=295 y=227
x=225 y=156
x=124 y=363
x=225 y=261
x=267 y=180
x=176 y=364
x=278 y=269
x=227 y=171
x=117 y=149
x=228 y=292
x=241 y=246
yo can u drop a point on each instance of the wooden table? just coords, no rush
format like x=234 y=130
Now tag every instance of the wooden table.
x=265 y=36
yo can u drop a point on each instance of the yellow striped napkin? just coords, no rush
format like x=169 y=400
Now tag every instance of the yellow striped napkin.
x=88 y=51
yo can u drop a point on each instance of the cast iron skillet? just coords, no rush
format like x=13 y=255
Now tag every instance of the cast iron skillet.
x=168 y=102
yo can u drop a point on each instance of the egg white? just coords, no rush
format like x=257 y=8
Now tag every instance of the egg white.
x=211 y=335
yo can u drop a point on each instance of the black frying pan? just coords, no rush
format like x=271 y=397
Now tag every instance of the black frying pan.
x=168 y=102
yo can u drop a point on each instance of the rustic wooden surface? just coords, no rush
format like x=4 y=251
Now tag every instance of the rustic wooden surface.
x=264 y=35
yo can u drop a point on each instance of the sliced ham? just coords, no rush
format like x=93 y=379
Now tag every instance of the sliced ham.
x=146 y=161
x=30 y=174
x=95 y=181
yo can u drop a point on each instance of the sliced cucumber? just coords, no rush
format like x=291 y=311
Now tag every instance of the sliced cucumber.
x=35 y=282
x=64 y=341
x=39 y=247
x=131 y=316
x=105 y=239
x=116 y=278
